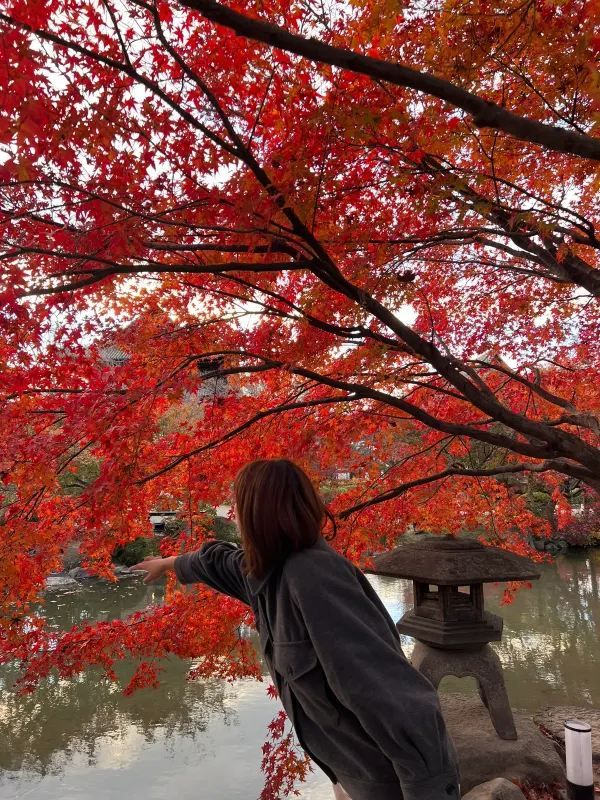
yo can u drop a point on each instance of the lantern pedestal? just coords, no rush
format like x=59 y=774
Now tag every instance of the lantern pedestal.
x=482 y=664
x=449 y=621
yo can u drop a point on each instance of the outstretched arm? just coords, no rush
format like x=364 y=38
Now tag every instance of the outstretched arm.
x=154 y=568
x=216 y=564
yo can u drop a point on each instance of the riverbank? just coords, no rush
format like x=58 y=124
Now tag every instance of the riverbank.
x=77 y=577
x=82 y=740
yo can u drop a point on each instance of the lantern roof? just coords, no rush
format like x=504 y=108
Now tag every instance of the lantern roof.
x=453 y=561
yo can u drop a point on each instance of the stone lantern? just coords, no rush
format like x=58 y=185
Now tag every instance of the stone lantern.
x=451 y=626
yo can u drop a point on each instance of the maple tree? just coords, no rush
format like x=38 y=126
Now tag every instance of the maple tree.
x=376 y=220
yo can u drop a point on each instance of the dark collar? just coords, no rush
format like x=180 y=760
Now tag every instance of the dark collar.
x=257 y=585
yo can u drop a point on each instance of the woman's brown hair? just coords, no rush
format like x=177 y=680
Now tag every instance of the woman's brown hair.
x=278 y=511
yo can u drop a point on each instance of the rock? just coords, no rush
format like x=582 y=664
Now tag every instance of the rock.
x=557 y=546
x=71 y=556
x=81 y=574
x=121 y=571
x=498 y=789
x=552 y=720
x=56 y=583
x=483 y=756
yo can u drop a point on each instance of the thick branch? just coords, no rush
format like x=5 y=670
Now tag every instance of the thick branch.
x=485 y=114
x=96 y=275
x=360 y=391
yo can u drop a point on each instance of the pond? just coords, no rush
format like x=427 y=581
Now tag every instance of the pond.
x=83 y=740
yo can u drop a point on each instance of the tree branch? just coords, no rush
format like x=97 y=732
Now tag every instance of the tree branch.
x=485 y=114
x=97 y=275
x=279 y=409
x=507 y=469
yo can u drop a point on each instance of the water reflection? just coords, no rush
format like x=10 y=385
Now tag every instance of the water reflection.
x=550 y=648
x=83 y=738
x=44 y=729
x=63 y=717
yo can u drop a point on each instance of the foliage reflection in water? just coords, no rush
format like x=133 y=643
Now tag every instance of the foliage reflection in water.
x=84 y=739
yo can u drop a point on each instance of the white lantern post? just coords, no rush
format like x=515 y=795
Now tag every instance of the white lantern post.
x=578 y=746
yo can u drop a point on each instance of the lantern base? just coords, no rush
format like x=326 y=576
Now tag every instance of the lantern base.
x=459 y=634
x=482 y=664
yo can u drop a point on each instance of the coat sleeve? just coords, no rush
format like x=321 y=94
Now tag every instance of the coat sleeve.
x=218 y=565
x=366 y=670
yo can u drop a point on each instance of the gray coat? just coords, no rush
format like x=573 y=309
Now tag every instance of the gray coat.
x=360 y=711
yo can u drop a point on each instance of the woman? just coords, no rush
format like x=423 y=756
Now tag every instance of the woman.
x=360 y=711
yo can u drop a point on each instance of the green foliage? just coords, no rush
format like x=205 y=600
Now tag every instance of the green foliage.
x=330 y=489
x=225 y=530
x=540 y=503
x=135 y=551
x=82 y=472
x=8 y=495
x=174 y=526
x=219 y=527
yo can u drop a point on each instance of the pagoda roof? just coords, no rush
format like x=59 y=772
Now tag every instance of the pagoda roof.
x=453 y=561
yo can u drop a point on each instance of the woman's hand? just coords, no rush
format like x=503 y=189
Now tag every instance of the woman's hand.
x=154 y=568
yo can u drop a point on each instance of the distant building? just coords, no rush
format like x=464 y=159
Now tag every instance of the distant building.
x=216 y=386
x=113 y=355
x=213 y=388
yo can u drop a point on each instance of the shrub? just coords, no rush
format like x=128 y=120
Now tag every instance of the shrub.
x=219 y=527
x=135 y=551
x=541 y=504
x=225 y=530
x=584 y=529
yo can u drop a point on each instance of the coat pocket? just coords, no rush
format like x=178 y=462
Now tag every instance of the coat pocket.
x=294 y=659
